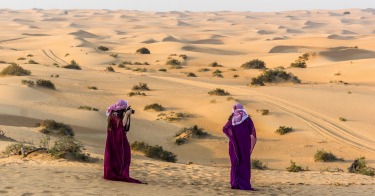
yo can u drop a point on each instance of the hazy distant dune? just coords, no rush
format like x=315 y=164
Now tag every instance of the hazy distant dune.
x=346 y=54
x=83 y=34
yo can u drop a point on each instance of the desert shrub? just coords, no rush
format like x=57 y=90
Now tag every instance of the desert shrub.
x=103 y=48
x=215 y=64
x=180 y=141
x=51 y=126
x=140 y=69
x=137 y=63
x=4 y=137
x=20 y=59
x=254 y=64
x=217 y=73
x=163 y=70
x=257 y=164
x=30 y=55
x=110 y=69
x=32 y=62
x=67 y=54
x=28 y=82
x=73 y=65
x=324 y=156
x=174 y=63
x=342 y=119
x=295 y=168
x=65 y=146
x=15 y=149
x=230 y=98
x=346 y=12
x=191 y=74
x=183 y=56
x=3 y=62
x=274 y=76
x=127 y=63
x=114 y=55
x=85 y=107
x=141 y=86
x=143 y=50
x=219 y=92
x=235 y=76
x=193 y=131
x=172 y=116
x=131 y=94
x=45 y=84
x=204 y=70
x=121 y=65
x=15 y=70
x=283 y=130
x=154 y=106
x=92 y=87
x=359 y=166
x=299 y=64
x=263 y=111
x=156 y=152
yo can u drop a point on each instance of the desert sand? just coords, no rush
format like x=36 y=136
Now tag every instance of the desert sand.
x=338 y=82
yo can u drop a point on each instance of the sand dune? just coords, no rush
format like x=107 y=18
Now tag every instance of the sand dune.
x=170 y=39
x=340 y=37
x=207 y=41
x=209 y=50
x=346 y=32
x=310 y=25
x=83 y=34
x=345 y=54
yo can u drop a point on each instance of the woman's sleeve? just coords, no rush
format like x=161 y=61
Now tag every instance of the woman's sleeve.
x=253 y=136
x=227 y=129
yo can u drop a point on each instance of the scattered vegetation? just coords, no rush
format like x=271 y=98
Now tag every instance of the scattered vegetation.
x=143 y=50
x=183 y=56
x=45 y=84
x=295 y=168
x=103 y=48
x=301 y=61
x=87 y=108
x=141 y=87
x=156 y=152
x=140 y=69
x=15 y=70
x=283 y=130
x=172 y=116
x=230 y=98
x=73 y=65
x=186 y=133
x=4 y=137
x=346 y=13
x=114 y=55
x=191 y=74
x=263 y=111
x=3 y=62
x=359 y=166
x=254 y=64
x=110 y=69
x=215 y=64
x=28 y=82
x=51 y=126
x=219 y=92
x=92 y=87
x=324 y=156
x=342 y=119
x=131 y=94
x=30 y=55
x=217 y=73
x=155 y=107
x=163 y=70
x=127 y=63
x=204 y=70
x=67 y=146
x=32 y=62
x=20 y=59
x=121 y=65
x=174 y=63
x=235 y=76
x=15 y=149
x=274 y=76
x=257 y=164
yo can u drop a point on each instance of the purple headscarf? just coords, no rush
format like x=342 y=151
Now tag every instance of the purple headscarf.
x=119 y=105
x=239 y=114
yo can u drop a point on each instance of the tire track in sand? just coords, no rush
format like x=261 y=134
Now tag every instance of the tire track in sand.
x=324 y=125
x=51 y=56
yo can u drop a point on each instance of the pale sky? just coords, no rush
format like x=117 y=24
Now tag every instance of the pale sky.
x=190 y=5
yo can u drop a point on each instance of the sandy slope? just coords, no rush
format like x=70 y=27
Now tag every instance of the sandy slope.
x=338 y=82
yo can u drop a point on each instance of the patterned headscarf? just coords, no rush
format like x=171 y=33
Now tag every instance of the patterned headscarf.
x=119 y=105
x=239 y=114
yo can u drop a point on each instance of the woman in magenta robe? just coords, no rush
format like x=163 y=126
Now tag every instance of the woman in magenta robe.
x=117 y=149
x=242 y=138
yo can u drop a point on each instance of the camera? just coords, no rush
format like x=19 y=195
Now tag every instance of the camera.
x=129 y=108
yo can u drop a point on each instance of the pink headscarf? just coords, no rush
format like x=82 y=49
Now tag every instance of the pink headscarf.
x=239 y=114
x=119 y=105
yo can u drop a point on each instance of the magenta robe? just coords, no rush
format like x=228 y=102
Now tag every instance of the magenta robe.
x=117 y=153
x=240 y=149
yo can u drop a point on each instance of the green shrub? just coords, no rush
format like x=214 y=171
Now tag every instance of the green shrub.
x=30 y=55
x=45 y=84
x=295 y=168
x=299 y=64
x=65 y=146
x=283 y=130
x=51 y=126
x=28 y=82
x=342 y=119
x=254 y=64
x=274 y=76
x=174 y=63
x=143 y=50
x=15 y=149
x=110 y=69
x=92 y=87
x=156 y=152
x=163 y=70
x=219 y=92
x=191 y=74
x=15 y=70
x=32 y=62
x=203 y=70
x=359 y=166
x=20 y=59
x=186 y=133
x=257 y=164
x=217 y=73
x=131 y=94
x=73 y=65
x=215 y=64
x=140 y=70
x=154 y=106
x=87 y=108
x=103 y=48
x=235 y=76
x=324 y=156
x=141 y=86
x=263 y=111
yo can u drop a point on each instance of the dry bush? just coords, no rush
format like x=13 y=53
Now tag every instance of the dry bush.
x=274 y=76
x=254 y=64
x=155 y=107
x=143 y=50
x=219 y=92
x=295 y=168
x=73 y=65
x=15 y=70
x=284 y=130
x=51 y=126
x=257 y=164
x=141 y=87
x=359 y=166
x=156 y=152
x=324 y=156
